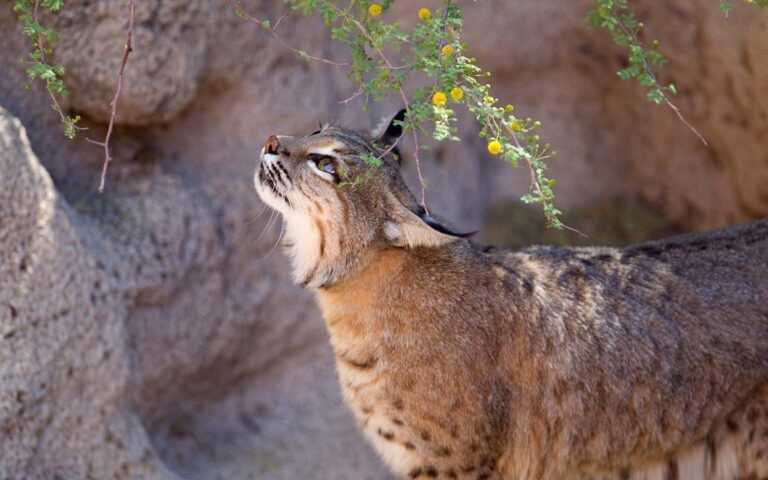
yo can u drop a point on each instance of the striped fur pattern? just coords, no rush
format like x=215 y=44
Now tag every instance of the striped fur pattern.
x=464 y=362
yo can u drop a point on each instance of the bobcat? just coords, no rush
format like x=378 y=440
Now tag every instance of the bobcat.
x=463 y=362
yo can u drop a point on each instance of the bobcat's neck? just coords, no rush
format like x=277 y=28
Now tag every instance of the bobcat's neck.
x=352 y=300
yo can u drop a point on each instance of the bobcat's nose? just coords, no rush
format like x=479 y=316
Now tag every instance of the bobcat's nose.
x=272 y=145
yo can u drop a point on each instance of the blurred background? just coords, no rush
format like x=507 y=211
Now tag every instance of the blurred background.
x=152 y=331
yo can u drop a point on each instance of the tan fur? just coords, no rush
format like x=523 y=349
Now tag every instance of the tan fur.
x=644 y=363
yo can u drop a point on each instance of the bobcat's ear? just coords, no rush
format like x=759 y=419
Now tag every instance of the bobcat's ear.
x=409 y=229
x=389 y=133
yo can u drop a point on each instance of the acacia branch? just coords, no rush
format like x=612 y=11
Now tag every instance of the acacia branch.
x=535 y=184
x=649 y=70
x=403 y=96
x=41 y=49
x=126 y=52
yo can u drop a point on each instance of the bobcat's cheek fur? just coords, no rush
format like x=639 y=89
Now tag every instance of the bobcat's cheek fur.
x=311 y=241
x=462 y=362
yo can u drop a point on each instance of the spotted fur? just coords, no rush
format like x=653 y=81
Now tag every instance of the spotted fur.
x=463 y=362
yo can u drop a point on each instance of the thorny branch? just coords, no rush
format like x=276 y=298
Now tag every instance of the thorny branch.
x=406 y=104
x=126 y=52
x=272 y=29
x=667 y=101
x=534 y=182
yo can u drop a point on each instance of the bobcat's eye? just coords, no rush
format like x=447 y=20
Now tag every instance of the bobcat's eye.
x=323 y=165
x=326 y=165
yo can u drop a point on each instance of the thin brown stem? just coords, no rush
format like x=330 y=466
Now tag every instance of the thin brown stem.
x=272 y=30
x=535 y=185
x=667 y=101
x=389 y=148
x=406 y=104
x=418 y=170
x=357 y=93
x=685 y=121
x=121 y=74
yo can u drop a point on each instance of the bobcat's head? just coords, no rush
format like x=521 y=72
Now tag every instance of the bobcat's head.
x=338 y=204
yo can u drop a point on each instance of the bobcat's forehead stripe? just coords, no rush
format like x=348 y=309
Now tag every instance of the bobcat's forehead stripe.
x=327 y=148
x=351 y=140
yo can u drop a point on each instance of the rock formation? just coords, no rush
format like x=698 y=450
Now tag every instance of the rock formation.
x=153 y=331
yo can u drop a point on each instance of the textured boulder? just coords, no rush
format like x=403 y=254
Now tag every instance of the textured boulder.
x=169 y=47
x=64 y=364
x=199 y=307
x=178 y=47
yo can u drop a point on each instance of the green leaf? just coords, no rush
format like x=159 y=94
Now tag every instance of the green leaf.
x=656 y=96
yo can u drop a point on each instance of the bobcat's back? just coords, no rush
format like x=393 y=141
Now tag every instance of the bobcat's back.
x=658 y=346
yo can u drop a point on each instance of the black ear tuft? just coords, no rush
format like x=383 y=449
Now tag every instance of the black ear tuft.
x=394 y=130
x=434 y=223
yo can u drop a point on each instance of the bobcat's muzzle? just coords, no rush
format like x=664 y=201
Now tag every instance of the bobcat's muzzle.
x=271 y=173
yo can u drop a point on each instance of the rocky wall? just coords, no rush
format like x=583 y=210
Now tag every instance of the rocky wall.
x=153 y=332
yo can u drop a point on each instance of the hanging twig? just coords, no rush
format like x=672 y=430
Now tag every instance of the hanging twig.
x=126 y=52
x=649 y=70
x=272 y=30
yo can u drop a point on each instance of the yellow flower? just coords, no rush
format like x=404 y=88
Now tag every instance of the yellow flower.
x=457 y=94
x=439 y=99
x=447 y=50
x=374 y=10
x=509 y=108
x=494 y=147
x=425 y=14
x=517 y=126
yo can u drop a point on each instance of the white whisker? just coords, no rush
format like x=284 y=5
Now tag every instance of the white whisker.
x=272 y=217
x=250 y=221
x=279 y=239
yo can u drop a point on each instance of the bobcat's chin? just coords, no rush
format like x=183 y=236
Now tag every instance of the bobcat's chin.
x=301 y=241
